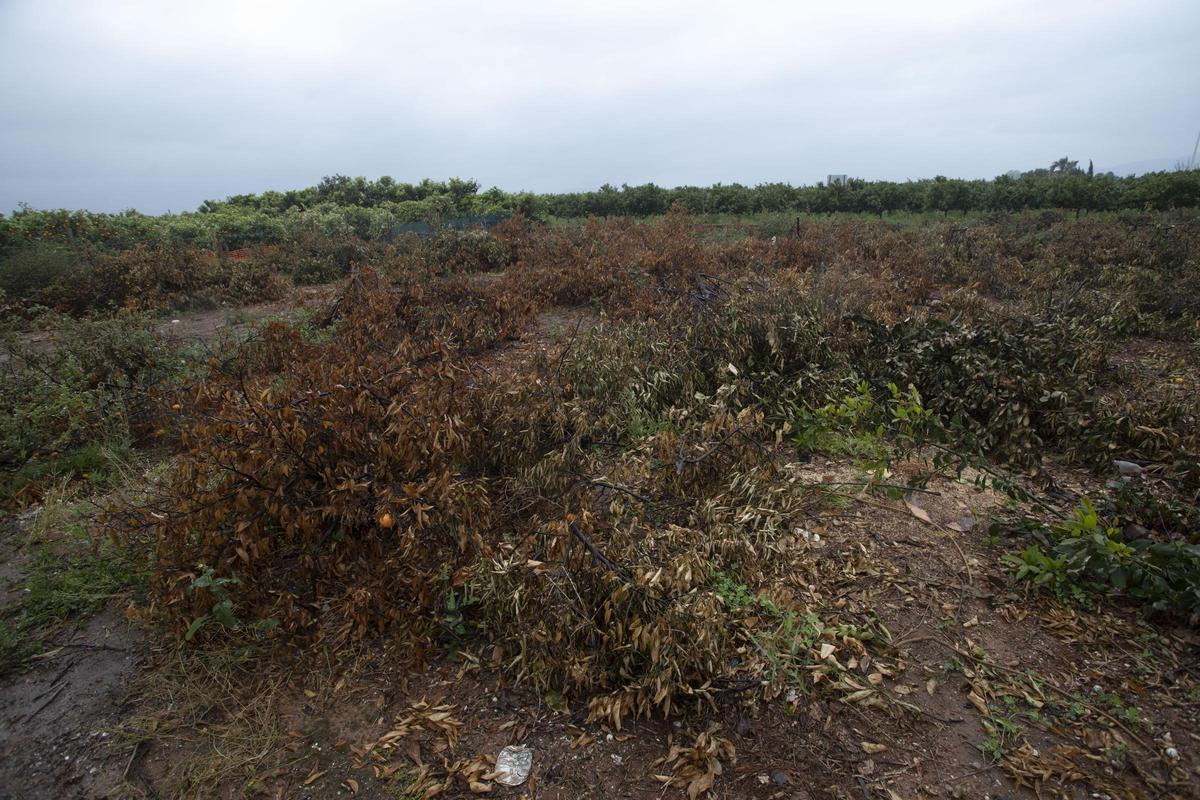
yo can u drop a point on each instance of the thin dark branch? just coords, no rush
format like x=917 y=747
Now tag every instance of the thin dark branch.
x=607 y=562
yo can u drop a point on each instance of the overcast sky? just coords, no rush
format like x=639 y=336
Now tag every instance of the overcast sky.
x=161 y=105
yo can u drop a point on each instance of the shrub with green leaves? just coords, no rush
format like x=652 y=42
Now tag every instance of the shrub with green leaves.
x=30 y=273
x=65 y=402
x=1085 y=555
x=1014 y=386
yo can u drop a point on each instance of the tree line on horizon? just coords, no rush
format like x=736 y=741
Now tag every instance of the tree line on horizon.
x=374 y=210
x=1064 y=184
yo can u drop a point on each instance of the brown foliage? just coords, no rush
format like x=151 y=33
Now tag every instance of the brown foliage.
x=578 y=502
x=155 y=278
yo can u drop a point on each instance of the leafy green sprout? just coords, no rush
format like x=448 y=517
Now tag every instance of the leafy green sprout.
x=452 y=619
x=1075 y=711
x=222 y=610
x=787 y=647
x=954 y=664
x=734 y=595
x=1126 y=713
x=1002 y=732
x=1085 y=554
x=1117 y=752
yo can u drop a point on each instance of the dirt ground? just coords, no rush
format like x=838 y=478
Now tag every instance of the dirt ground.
x=193 y=326
x=206 y=325
x=56 y=718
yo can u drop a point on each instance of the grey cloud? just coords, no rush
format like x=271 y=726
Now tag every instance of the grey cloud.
x=109 y=105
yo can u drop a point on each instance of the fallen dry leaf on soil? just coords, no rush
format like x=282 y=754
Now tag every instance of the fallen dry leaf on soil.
x=918 y=512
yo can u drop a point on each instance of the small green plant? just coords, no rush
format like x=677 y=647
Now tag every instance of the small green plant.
x=1084 y=551
x=1075 y=711
x=222 y=610
x=954 y=664
x=1128 y=714
x=1002 y=733
x=1047 y=572
x=1147 y=661
x=786 y=648
x=1117 y=753
x=849 y=427
x=874 y=630
x=454 y=602
x=1004 y=728
x=737 y=596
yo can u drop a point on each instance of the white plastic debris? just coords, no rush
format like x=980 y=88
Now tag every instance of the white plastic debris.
x=809 y=536
x=1129 y=469
x=513 y=765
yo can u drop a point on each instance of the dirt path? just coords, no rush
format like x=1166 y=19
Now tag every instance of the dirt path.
x=55 y=720
x=57 y=713
x=208 y=325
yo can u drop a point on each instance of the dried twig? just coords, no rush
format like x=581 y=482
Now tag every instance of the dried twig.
x=563 y=355
x=607 y=562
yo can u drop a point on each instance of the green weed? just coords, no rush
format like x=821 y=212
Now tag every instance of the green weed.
x=1002 y=733
x=1085 y=552
x=1130 y=715
x=61 y=586
x=221 y=611
x=786 y=648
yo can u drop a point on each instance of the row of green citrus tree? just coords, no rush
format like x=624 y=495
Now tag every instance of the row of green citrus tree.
x=1081 y=192
x=374 y=210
